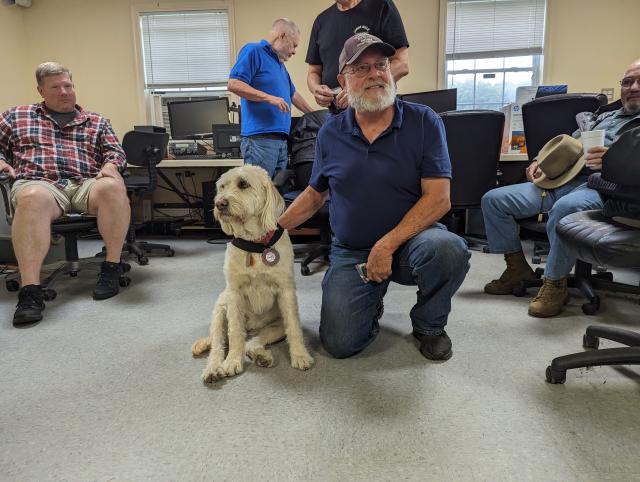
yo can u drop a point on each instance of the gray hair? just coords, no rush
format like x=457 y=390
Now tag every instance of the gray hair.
x=285 y=25
x=48 y=69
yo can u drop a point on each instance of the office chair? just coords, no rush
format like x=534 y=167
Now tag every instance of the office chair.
x=71 y=227
x=145 y=150
x=544 y=119
x=292 y=181
x=473 y=140
x=600 y=240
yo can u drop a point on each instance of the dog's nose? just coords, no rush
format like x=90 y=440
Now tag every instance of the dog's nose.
x=222 y=204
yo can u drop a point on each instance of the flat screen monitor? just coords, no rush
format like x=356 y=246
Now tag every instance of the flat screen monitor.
x=438 y=100
x=226 y=139
x=194 y=117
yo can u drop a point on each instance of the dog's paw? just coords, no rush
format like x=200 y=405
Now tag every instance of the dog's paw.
x=212 y=374
x=232 y=366
x=201 y=346
x=302 y=361
x=261 y=357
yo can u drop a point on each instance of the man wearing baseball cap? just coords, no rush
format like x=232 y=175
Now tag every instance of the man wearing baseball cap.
x=385 y=165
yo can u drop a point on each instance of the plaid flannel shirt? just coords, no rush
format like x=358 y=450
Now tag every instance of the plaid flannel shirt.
x=38 y=149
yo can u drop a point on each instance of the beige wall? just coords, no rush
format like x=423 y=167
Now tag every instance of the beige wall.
x=17 y=87
x=591 y=42
x=96 y=39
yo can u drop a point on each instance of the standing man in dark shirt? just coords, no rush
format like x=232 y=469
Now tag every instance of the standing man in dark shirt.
x=334 y=26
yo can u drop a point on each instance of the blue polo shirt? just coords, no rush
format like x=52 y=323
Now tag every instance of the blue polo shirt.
x=259 y=66
x=372 y=186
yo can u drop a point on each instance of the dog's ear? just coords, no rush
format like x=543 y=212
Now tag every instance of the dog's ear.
x=273 y=207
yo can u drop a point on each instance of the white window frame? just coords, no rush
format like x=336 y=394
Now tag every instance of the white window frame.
x=151 y=105
x=539 y=61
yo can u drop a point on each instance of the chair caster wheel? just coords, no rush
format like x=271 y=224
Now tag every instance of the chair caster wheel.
x=536 y=260
x=554 y=376
x=539 y=272
x=590 y=341
x=73 y=274
x=126 y=267
x=519 y=291
x=591 y=308
x=49 y=294
x=143 y=260
x=305 y=270
x=124 y=281
x=12 y=285
x=171 y=253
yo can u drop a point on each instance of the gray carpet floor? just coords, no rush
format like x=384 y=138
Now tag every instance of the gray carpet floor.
x=109 y=391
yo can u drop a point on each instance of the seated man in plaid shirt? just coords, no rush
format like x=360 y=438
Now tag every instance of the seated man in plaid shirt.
x=63 y=159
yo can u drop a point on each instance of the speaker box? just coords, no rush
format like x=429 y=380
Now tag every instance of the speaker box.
x=208 y=195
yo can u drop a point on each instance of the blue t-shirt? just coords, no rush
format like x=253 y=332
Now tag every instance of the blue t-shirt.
x=372 y=186
x=259 y=66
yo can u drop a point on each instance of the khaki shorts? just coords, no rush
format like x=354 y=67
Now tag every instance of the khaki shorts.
x=73 y=198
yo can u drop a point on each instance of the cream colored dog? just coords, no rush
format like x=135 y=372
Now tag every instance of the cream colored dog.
x=259 y=299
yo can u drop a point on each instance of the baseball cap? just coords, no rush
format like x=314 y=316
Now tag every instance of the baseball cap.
x=358 y=43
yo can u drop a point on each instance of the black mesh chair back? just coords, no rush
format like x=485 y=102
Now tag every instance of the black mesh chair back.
x=473 y=139
x=550 y=116
x=144 y=149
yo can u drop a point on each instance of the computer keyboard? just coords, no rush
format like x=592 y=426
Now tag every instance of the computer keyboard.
x=202 y=156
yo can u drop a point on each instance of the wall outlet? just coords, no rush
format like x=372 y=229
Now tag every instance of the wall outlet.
x=608 y=91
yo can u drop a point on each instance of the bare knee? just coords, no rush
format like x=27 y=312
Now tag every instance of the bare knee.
x=108 y=188
x=34 y=199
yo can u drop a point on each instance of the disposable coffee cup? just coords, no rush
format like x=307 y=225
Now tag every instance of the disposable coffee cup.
x=592 y=139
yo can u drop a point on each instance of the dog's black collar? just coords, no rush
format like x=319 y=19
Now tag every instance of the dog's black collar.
x=252 y=247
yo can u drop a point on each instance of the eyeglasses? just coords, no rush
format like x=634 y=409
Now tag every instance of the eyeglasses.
x=361 y=70
x=629 y=81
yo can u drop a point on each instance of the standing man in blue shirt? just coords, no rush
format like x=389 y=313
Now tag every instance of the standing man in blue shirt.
x=385 y=164
x=260 y=78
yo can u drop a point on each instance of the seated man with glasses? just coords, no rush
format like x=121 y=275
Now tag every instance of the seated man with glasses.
x=385 y=164
x=502 y=207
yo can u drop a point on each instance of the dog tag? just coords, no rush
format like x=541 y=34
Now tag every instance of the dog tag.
x=270 y=257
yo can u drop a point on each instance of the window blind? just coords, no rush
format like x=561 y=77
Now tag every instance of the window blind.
x=494 y=28
x=185 y=49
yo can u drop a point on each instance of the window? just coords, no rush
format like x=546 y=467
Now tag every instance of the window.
x=492 y=48
x=185 y=51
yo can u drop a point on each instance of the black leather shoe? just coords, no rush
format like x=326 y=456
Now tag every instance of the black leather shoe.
x=108 y=283
x=435 y=347
x=30 y=306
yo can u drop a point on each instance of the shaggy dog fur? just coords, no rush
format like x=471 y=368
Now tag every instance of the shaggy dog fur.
x=258 y=300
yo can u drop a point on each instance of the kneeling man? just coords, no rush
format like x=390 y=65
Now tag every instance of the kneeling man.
x=385 y=165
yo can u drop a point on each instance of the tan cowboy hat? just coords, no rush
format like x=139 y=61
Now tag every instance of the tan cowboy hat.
x=560 y=160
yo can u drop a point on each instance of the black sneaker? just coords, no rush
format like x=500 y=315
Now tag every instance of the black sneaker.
x=108 y=283
x=30 y=306
x=435 y=347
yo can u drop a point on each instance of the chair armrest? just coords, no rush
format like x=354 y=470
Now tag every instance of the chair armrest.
x=284 y=181
x=5 y=187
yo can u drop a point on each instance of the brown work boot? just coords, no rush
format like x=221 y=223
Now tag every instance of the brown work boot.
x=517 y=270
x=553 y=295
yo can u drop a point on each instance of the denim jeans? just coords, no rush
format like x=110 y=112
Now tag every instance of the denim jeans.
x=435 y=260
x=270 y=154
x=501 y=208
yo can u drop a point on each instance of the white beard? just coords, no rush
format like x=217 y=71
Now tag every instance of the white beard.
x=361 y=104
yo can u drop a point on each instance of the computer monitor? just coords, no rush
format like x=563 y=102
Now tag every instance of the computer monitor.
x=226 y=139
x=438 y=100
x=190 y=118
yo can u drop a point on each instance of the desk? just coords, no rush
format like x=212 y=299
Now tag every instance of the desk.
x=186 y=163
x=513 y=157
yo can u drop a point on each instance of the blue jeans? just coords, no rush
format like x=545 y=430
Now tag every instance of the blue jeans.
x=501 y=208
x=270 y=154
x=435 y=260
